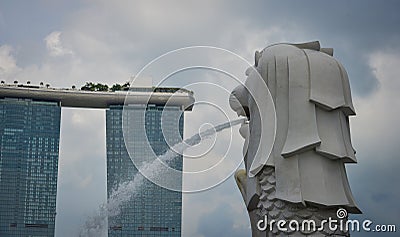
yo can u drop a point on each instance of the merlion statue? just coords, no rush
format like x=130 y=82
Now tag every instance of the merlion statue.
x=303 y=176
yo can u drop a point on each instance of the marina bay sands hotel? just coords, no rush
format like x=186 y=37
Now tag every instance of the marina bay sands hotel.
x=29 y=139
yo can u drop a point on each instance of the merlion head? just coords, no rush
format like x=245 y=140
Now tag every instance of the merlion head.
x=283 y=96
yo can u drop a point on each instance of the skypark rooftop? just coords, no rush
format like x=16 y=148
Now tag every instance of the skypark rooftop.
x=100 y=99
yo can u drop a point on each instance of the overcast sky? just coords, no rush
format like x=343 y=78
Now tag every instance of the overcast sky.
x=67 y=43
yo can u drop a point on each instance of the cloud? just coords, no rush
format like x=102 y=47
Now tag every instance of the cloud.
x=82 y=168
x=379 y=111
x=353 y=29
x=221 y=208
x=102 y=41
x=54 y=45
x=376 y=133
x=221 y=223
x=2 y=23
x=8 y=64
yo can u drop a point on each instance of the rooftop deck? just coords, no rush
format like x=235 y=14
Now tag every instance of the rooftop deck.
x=100 y=99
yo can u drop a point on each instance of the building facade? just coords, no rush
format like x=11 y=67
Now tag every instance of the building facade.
x=29 y=140
x=29 y=151
x=153 y=210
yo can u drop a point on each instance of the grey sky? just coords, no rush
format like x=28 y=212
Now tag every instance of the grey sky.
x=67 y=43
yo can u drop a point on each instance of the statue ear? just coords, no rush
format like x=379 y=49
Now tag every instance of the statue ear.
x=314 y=45
x=328 y=51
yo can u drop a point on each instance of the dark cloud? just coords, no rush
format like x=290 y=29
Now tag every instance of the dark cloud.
x=25 y=24
x=82 y=166
x=373 y=183
x=354 y=29
x=220 y=222
x=112 y=41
